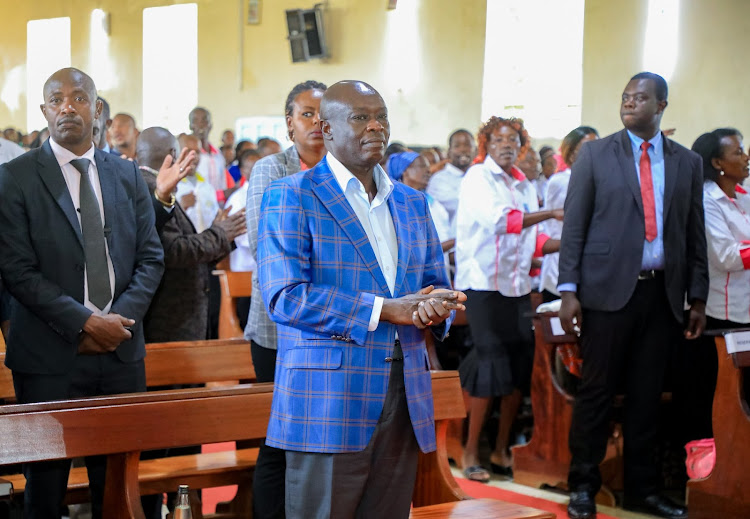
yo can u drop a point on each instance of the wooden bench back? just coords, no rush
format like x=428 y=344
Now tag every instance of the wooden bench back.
x=179 y=363
x=197 y=362
x=233 y=285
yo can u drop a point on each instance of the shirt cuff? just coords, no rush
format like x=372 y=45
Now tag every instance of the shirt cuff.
x=567 y=287
x=377 y=307
x=515 y=222
x=745 y=255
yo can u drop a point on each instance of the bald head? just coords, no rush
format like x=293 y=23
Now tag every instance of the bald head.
x=70 y=75
x=154 y=144
x=354 y=122
x=343 y=94
x=70 y=107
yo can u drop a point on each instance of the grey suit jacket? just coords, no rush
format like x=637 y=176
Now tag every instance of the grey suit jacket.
x=179 y=311
x=259 y=326
x=42 y=259
x=604 y=229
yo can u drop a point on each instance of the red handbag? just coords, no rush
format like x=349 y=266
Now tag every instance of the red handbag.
x=701 y=458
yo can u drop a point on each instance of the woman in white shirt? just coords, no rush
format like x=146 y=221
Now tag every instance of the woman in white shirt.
x=496 y=237
x=557 y=190
x=727 y=212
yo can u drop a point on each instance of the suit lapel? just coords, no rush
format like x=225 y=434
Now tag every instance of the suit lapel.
x=328 y=191
x=52 y=176
x=400 y=217
x=671 y=161
x=624 y=152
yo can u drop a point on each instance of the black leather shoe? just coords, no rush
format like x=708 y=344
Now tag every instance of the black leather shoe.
x=660 y=506
x=581 y=506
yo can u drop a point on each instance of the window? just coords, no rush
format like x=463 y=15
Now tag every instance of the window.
x=42 y=59
x=661 y=42
x=102 y=68
x=170 y=66
x=533 y=64
x=253 y=128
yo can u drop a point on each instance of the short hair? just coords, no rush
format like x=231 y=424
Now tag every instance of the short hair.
x=571 y=141
x=495 y=123
x=192 y=112
x=709 y=147
x=458 y=132
x=264 y=142
x=298 y=89
x=660 y=84
x=240 y=144
x=105 y=108
x=247 y=154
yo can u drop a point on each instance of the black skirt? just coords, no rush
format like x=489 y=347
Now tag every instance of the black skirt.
x=503 y=352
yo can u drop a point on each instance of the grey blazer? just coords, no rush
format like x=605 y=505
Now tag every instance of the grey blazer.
x=260 y=328
x=604 y=230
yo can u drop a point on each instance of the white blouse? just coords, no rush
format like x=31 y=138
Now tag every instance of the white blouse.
x=728 y=237
x=557 y=190
x=493 y=251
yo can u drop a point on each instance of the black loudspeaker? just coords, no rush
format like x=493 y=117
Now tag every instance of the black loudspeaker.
x=306 y=36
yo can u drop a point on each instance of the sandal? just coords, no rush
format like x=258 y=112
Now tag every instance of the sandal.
x=477 y=473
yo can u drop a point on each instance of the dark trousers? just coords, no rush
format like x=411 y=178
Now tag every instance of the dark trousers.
x=629 y=348
x=268 y=480
x=92 y=375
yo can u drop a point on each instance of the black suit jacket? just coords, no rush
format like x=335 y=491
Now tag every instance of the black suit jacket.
x=42 y=258
x=604 y=229
x=179 y=311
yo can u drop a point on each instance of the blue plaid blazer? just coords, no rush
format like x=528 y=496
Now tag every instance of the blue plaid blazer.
x=319 y=277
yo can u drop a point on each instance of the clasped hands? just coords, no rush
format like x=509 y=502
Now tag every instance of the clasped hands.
x=104 y=333
x=428 y=307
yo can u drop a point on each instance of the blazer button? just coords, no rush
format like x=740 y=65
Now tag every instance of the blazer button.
x=389 y=359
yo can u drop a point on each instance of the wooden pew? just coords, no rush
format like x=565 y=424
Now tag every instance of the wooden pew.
x=545 y=460
x=233 y=285
x=123 y=425
x=724 y=493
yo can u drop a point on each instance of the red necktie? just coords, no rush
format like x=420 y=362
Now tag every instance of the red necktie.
x=647 y=193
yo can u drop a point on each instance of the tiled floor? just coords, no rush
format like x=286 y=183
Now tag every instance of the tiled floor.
x=506 y=484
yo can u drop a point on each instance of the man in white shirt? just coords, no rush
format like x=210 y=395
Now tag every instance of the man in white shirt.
x=80 y=254
x=212 y=166
x=445 y=185
x=195 y=194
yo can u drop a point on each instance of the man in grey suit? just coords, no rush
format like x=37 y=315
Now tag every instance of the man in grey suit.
x=80 y=255
x=633 y=249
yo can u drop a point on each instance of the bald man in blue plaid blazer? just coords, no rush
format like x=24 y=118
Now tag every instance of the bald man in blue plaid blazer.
x=321 y=278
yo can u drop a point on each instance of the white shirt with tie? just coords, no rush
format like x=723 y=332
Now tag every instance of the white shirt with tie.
x=73 y=181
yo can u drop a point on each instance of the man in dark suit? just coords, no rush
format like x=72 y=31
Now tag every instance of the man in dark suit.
x=179 y=311
x=633 y=247
x=80 y=255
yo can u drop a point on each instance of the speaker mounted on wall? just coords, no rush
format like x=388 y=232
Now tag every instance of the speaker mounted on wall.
x=305 y=33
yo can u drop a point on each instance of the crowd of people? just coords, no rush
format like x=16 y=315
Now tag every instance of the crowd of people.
x=360 y=248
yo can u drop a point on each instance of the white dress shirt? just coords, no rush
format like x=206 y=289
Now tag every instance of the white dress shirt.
x=444 y=187
x=203 y=212
x=493 y=251
x=212 y=168
x=73 y=181
x=241 y=258
x=557 y=190
x=728 y=238
x=376 y=219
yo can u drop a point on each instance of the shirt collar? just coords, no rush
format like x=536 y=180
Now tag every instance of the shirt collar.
x=656 y=142
x=453 y=170
x=713 y=190
x=64 y=156
x=515 y=173
x=347 y=180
